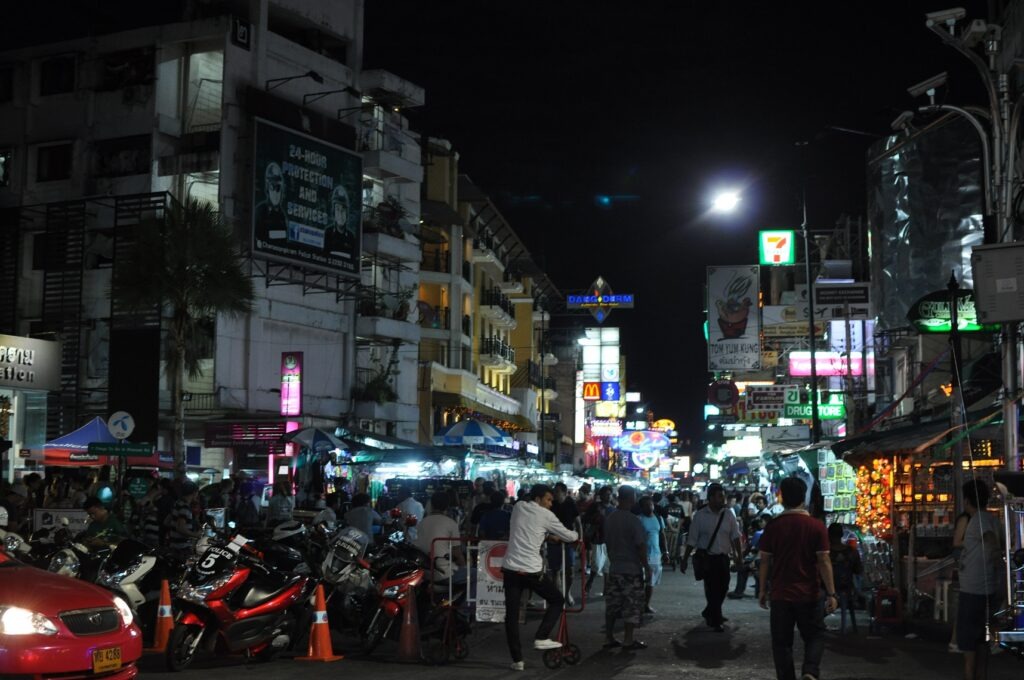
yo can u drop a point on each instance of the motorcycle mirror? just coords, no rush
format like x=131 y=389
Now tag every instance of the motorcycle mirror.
x=231 y=525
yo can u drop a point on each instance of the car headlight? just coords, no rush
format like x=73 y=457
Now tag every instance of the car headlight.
x=124 y=610
x=18 y=621
x=197 y=594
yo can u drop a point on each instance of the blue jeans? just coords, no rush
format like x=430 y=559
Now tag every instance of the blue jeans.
x=809 y=618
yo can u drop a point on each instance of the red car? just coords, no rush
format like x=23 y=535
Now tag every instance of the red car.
x=52 y=626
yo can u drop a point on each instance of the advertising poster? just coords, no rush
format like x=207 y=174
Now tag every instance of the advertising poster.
x=734 y=342
x=490 y=589
x=307 y=200
x=76 y=521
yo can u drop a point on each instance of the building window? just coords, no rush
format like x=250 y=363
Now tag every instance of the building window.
x=6 y=84
x=57 y=76
x=53 y=162
x=6 y=156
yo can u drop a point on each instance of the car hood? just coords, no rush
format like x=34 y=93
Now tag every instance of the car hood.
x=48 y=593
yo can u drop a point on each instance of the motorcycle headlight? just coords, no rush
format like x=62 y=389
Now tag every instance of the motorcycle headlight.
x=391 y=592
x=109 y=579
x=197 y=594
x=124 y=610
x=64 y=562
x=18 y=621
x=12 y=543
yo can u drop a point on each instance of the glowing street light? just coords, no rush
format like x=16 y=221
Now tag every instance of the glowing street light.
x=725 y=201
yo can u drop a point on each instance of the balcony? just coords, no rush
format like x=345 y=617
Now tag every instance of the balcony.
x=390 y=247
x=390 y=153
x=497 y=355
x=437 y=318
x=511 y=283
x=497 y=307
x=375 y=398
x=485 y=252
x=550 y=390
x=436 y=260
x=377 y=321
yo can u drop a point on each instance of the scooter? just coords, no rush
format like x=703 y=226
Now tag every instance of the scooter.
x=135 y=571
x=229 y=597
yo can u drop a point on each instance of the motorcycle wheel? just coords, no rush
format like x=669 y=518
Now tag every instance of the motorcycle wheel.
x=182 y=646
x=553 y=658
x=574 y=655
x=374 y=633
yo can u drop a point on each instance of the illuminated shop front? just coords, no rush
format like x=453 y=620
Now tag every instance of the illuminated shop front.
x=29 y=368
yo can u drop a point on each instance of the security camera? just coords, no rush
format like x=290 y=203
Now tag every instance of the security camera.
x=945 y=16
x=925 y=86
x=973 y=33
x=902 y=121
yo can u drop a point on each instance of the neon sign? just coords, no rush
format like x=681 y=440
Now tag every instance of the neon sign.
x=291 y=383
x=600 y=300
x=642 y=441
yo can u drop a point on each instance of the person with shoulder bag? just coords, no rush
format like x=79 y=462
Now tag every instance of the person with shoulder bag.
x=714 y=536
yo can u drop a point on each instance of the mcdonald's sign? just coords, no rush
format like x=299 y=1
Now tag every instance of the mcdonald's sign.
x=591 y=391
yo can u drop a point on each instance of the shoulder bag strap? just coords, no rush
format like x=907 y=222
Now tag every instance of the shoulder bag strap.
x=714 y=535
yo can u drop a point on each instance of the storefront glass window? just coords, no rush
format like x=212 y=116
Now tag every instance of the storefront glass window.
x=33 y=432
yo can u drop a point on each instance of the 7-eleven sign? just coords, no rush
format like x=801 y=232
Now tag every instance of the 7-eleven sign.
x=777 y=247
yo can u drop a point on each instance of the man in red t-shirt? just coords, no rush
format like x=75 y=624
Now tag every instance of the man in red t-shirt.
x=794 y=564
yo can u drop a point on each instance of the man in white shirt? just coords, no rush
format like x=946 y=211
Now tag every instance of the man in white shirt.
x=438 y=536
x=980 y=574
x=714 y=521
x=409 y=506
x=523 y=569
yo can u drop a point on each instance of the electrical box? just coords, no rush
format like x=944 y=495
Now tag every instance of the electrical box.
x=999 y=282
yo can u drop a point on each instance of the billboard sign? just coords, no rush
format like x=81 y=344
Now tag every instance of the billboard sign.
x=306 y=200
x=766 y=398
x=776 y=247
x=291 y=383
x=29 y=364
x=734 y=342
x=829 y=364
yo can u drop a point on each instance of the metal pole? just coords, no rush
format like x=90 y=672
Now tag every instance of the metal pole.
x=955 y=415
x=815 y=422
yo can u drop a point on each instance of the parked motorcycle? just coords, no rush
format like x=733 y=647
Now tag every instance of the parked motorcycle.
x=352 y=594
x=135 y=571
x=229 y=597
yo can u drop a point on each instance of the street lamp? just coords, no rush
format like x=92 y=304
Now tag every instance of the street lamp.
x=727 y=202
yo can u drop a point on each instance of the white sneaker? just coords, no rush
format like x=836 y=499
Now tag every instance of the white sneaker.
x=517 y=666
x=546 y=644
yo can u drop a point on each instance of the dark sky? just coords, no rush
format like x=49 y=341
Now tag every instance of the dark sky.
x=553 y=104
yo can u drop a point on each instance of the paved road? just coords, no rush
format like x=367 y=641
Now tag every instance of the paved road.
x=679 y=644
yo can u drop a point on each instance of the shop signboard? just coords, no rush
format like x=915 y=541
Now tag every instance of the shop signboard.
x=755 y=417
x=606 y=427
x=777 y=247
x=785 y=437
x=832 y=407
x=766 y=398
x=734 y=339
x=931 y=314
x=490 y=590
x=307 y=201
x=53 y=518
x=829 y=364
x=591 y=391
x=29 y=364
x=291 y=383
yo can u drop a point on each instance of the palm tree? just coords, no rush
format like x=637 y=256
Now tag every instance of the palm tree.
x=187 y=265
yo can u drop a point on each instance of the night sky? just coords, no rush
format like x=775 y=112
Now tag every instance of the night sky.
x=600 y=130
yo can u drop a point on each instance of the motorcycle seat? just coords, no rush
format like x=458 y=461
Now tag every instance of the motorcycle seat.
x=266 y=590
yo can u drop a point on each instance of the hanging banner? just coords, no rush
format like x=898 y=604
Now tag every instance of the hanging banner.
x=734 y=339
x=490 y=589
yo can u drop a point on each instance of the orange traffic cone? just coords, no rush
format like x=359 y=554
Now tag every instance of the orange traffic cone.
x=164 y=620
x=409 y=636
x=320 y=633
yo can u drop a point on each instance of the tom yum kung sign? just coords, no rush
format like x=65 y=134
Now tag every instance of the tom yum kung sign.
x=29 y=364
x=734 y=338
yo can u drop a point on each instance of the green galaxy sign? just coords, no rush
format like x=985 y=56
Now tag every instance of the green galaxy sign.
x=931 y=314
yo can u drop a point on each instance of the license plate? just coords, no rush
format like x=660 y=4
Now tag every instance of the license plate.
x=104 y=660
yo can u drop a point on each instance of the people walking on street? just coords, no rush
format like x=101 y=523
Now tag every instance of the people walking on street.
x=714 y=535
x=626 y=540
x=750 y=561
x=980 y=578
x=565 y=510
x=532 y=523
x=794 y=564
x=657 y=548
x=593 y=533
x=846 y=565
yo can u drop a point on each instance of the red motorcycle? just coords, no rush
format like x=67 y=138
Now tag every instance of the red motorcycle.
x=400 y=570
x=230 y=598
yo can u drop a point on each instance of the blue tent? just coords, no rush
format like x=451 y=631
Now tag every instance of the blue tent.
x=73 y=448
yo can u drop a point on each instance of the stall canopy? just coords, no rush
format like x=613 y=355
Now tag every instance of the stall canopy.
x=600 y=475
x=72 y=449
x=469 y=432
